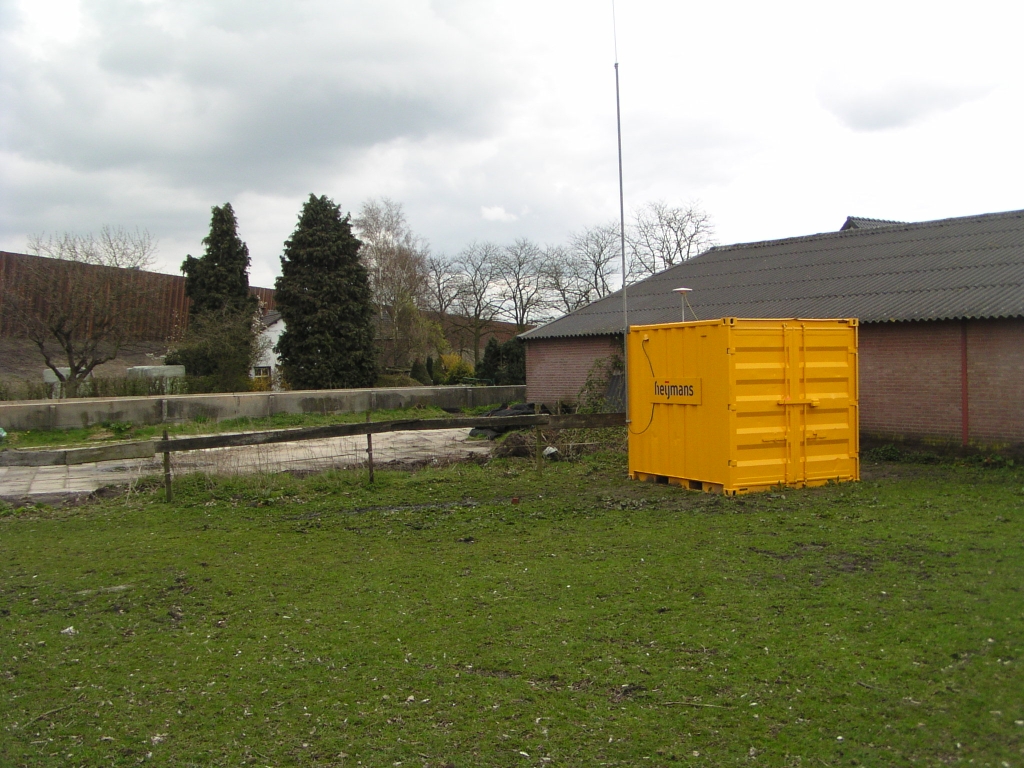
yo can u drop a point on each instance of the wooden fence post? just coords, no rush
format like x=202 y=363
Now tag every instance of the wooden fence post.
x=540 y=449
x=369 y=448
x=169 y=494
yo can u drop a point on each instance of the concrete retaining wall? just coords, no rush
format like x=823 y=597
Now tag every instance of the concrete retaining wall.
x=84 y=412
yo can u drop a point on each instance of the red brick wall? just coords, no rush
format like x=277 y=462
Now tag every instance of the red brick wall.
x=910 y=379
x=556 y=369
x=995 y=380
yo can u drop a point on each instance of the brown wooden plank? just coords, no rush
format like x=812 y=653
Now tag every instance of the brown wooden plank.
x=570 y=421
x=342 y=430
x=13 y=458
x=70 y=456
x=587 y=421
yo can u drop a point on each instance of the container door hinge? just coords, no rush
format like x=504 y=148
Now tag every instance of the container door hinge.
x=732 y=462
x=730 y=350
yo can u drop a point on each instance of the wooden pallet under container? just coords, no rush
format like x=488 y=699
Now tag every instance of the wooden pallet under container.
x=705 y=486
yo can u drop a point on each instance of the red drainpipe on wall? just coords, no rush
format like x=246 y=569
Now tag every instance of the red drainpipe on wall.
x=965 y=426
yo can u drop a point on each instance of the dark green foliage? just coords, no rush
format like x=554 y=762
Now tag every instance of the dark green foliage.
x=491 y=363
x=430 y=370
x=597 y=394
x=220 y=344
x=324 y=298
x=218 y=350
x=220 y=279
x=888 y=452
x=419 y=372
x=389 y=380
x=503 y=363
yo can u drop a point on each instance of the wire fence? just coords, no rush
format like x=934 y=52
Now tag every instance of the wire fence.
x=370 y=446
x=397 y=449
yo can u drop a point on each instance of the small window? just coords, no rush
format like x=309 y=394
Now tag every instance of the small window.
x=261 y=372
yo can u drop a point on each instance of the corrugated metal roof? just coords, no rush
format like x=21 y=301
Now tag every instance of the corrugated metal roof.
x=971 y=267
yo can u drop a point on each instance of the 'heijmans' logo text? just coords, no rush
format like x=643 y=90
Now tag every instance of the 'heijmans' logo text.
x=678 y=391
x=669 y=391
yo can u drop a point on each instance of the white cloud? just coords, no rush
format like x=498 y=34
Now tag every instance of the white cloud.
x=782 y=118
x=895 y=105
x=496 y=213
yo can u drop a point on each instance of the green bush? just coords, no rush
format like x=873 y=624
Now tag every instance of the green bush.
x=396 y=380
x=887 y=452
x=503 y=363
x=454 y=369
x=23 y=390
x=419 y=372
x=220 y=348
x=593 y=396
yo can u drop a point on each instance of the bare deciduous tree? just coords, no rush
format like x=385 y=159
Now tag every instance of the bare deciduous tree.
x=396 y=261
x=517 y=273
x=576 y=275
x=115 y=247
x=78 y=315
x=661 y=236
x=476 y=305
x=560 y=278
x=84 y=300
x=444 y=282
x=596 y=251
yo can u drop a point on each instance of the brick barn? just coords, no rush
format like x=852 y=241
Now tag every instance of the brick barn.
x=940 y=304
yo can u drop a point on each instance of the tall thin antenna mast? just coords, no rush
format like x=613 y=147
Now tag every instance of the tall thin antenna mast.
x=622 y=217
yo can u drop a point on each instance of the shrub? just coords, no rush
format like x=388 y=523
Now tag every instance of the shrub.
x=396 y=380
x=503 y=363
x=220 y=346
x=454 y=369
x=419 y=372
x=594 y=395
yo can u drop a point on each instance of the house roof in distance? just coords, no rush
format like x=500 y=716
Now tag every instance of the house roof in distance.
x=969 y=267
x=859 y=222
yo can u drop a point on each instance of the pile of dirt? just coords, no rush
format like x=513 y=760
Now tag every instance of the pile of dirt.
x=519 y=444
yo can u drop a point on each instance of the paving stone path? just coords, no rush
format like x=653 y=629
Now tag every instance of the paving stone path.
x=54 y=484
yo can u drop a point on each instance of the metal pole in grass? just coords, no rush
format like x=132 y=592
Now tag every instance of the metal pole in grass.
x=169 y=495
x=622 y=226
x=369 y=448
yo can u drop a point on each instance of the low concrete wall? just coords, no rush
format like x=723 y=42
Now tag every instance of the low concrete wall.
x=84 y=412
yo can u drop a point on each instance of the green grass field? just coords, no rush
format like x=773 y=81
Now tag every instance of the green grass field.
x=485 y=616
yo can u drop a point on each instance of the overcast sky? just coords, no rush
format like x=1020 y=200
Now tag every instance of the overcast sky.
x=493 y=119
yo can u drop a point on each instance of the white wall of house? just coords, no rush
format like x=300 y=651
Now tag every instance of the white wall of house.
x=269 y=359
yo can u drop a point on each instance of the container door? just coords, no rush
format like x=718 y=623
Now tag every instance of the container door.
x=820 y=402
x=830 y=417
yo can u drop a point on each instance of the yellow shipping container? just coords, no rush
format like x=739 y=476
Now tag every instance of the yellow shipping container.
x=736 y=405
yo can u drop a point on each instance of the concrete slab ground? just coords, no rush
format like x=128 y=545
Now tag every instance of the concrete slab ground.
x=55 y=484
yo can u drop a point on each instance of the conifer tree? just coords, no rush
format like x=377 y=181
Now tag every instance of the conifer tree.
x=220 y=278
x=324 y=298
x=503 y=363
x=221 y=342
x=419 y=372
x=490 y=366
